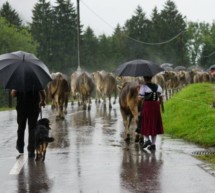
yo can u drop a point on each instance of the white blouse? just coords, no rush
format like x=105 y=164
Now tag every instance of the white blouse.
x=145 y=89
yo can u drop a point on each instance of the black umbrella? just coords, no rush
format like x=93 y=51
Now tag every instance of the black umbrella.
x=137 y=68
x=23 y=71
x=212 y=67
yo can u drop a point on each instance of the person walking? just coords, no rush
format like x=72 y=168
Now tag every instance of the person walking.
x=151 y=115
x=28 y=107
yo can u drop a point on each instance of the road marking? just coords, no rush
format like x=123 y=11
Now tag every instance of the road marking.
x=18 y=165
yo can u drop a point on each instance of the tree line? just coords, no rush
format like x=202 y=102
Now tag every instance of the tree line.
x=164 y=37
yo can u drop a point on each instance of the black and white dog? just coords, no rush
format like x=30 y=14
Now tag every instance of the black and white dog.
x=42 y=138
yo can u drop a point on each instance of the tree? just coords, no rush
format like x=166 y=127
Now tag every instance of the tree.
x=42 y=29
x=13 y=40
x=65 y=35
x=10 y=15
x=197 y=33
x=89 y=49
x=55 y=28
x=171 y=23
x=118 y=40
x=155 y=28
x=136 y=28
x=104 y=57
x=208 y=49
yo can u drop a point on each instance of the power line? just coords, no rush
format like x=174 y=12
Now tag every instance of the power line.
x=160 y=43
x=135 y=40
x=138 y=41
x=97 y=15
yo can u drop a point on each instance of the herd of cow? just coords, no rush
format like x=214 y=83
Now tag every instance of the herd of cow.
x=83 y=85
x=81 y=88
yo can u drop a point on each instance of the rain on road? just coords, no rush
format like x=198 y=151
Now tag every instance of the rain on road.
x=90 y=156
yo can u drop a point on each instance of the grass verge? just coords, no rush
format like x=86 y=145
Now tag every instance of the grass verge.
x=190 y=115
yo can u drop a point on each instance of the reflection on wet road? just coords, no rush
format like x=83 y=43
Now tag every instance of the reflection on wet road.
x=141 y=172
x=90 y=156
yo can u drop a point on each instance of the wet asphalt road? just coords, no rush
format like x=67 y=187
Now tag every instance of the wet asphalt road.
x=89 y=156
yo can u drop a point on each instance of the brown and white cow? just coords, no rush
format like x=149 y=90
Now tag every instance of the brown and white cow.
x=204 y=76
x=74 y=93
x=106 y=85
x=172 y=83
x=59 y=90
x=85 y=87
x=128 y=101
x=98 y=78
x=184 y=78
x=159 y=79
x=110 y=87
x=121 y=80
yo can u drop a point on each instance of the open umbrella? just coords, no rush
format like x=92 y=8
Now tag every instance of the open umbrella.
x=137 y=68
x=179 y=68
x=212 y=67
x=23 y=71
x=167 y=68
x=166 y=65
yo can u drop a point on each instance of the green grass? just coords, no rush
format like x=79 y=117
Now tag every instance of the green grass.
x=208 y=158
x=6 y=109
x=190 y=115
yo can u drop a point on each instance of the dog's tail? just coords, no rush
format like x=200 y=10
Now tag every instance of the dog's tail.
x=49 y=139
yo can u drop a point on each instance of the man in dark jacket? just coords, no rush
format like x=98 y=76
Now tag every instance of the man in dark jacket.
x=28 y=108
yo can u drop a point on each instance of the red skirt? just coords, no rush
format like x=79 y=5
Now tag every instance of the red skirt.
x=151 y=119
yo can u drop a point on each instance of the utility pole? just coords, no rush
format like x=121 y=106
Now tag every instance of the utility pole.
x=78 y=36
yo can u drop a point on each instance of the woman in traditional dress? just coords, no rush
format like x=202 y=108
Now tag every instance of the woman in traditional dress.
x=151 y=115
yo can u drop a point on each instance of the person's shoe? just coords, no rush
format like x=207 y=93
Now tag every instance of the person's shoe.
x=146 y=144
x=152 y=147
x=31 y=154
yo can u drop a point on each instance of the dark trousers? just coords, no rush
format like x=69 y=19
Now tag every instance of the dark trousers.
x=138 y=130
x=23 y=116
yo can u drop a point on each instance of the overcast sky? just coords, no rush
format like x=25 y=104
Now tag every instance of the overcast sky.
x=103 y=15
